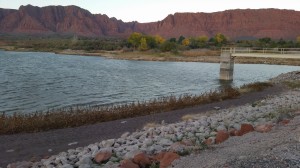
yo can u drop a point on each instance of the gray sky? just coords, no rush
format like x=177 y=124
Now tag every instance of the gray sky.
x=154 y=10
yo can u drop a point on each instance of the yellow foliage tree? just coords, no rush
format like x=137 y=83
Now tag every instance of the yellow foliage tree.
x=220 y=38
x=186 y=42
x=134 y=39
x=298 y=39
x=143 y=44
x=203 y=39
x=159 y=39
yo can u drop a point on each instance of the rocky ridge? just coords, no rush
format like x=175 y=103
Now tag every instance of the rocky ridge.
x=235 y=24
x=163 y=143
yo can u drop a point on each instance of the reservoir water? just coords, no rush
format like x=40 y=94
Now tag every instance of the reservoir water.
x=32 y=82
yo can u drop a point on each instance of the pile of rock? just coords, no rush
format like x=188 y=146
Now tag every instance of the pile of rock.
x=163 y=143
x=295 y=75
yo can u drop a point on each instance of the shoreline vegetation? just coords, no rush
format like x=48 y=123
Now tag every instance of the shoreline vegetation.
x=78 y=116
x=195 y=55
x=142 y=47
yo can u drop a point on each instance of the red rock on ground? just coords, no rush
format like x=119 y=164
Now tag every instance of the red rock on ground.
x=142 y=160
x=263 y=128
x=284 y=122
x=245 y=128
x=222 y=136
x=233 y=132
x=128 y=164
x=102 y=157
x=209 y=141
x=166 y=158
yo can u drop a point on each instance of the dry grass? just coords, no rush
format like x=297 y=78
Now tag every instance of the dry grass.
x=196 y=53
x=254 y=87
x=78 y=116
x=292 y=84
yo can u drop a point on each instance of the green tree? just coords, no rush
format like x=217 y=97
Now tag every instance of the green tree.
x=143 y=44
x=181 y=38
x=135 y=39
x=198 y=42
x=151 y=42
x=265 y=42
x=168 y=46
x=203 y=39
x=172 y=39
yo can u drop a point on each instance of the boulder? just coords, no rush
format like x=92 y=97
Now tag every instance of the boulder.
x=221 y=136
x=263 y=128
x=128 y=164
x=102 y=157
x=245 y=128
x=284 y=122
x=166 y=158
x=142 y=160
x=209 y=141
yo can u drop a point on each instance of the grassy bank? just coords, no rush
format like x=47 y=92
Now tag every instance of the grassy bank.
x=78 y=116
x=203 y=55
x=195 y=55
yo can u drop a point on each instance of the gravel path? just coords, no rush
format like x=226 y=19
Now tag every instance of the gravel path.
x=34 y=146
x=278 y=148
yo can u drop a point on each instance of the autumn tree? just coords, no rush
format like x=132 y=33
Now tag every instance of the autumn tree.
x=298 y=39
x=159 y=40
x=220 y=39
x=198 y=42
x=185 y=42
x=143 y=44
x=135 y=39
x=203 y=39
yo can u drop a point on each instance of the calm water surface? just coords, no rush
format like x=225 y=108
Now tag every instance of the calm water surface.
x=40 y=81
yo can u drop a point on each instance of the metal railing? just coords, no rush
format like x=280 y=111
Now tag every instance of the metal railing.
x=261 y=50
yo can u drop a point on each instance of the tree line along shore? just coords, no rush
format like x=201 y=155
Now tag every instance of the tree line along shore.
x=150 y=48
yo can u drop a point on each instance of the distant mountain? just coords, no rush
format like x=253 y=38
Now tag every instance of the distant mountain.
x=235 y=24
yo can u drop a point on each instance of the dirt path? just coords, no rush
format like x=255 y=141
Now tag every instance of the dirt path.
x=26 y=146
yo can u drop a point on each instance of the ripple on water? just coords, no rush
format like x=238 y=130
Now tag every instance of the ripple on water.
x=40 y=81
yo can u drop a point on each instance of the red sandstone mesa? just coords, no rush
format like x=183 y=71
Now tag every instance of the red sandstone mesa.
x=235 y=24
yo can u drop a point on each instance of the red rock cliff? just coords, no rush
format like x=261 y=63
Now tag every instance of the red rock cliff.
x=235 y=24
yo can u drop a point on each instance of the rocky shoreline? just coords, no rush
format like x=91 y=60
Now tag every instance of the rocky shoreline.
x=161 y=144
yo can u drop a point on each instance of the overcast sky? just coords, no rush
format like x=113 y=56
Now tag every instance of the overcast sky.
x=154 y=10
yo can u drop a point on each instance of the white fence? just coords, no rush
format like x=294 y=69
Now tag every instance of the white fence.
x=262 y=50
